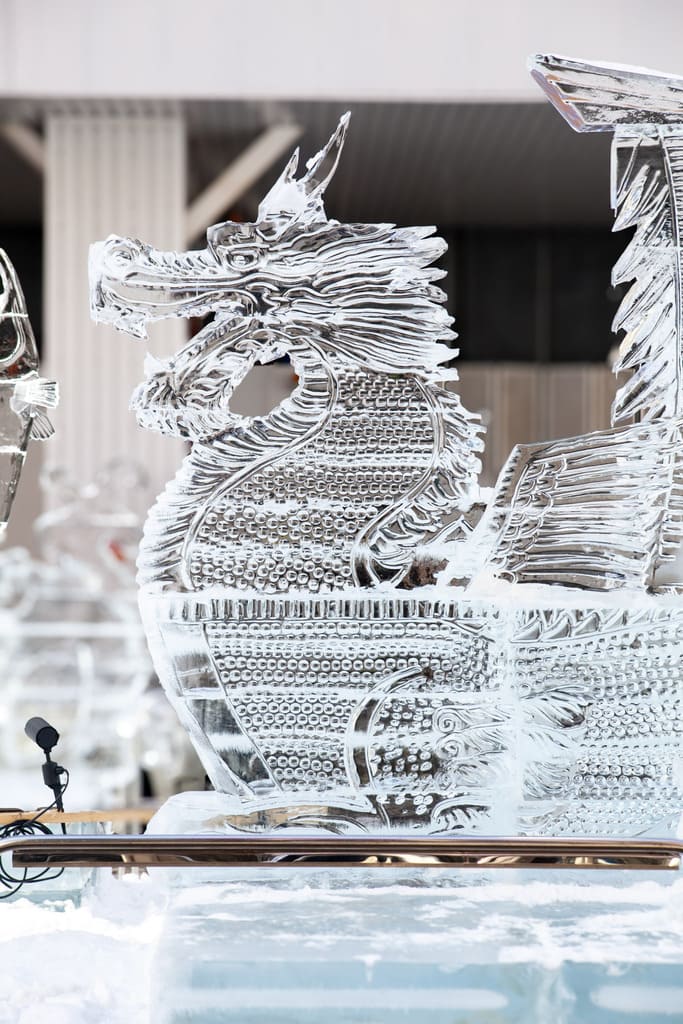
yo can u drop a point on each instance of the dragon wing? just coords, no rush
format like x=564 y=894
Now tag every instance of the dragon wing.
x=593 y=511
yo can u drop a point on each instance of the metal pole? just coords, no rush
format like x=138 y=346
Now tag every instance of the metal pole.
x=343 y=852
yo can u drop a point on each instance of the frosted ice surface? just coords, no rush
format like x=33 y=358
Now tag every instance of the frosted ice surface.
x=348 y=640
x=24 y=395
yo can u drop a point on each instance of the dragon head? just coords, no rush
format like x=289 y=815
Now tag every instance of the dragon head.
x=362 y=291
x=244 y=269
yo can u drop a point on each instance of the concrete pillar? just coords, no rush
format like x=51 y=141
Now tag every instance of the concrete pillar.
x=107 y=171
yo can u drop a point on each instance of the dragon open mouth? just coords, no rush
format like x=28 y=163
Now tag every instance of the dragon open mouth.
x=132 y=284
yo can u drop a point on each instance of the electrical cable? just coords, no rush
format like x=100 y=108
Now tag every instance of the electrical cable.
x=23 y=828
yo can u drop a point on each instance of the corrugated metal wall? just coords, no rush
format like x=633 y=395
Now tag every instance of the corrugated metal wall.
x=521 y=403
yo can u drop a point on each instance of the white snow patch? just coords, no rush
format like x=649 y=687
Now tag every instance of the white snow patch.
x=78 y=965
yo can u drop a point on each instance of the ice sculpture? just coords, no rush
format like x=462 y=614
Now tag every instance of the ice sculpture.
x=24 y=395
x=347 y=643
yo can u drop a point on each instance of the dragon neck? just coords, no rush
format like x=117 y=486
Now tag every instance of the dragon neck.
x=220 y=464
x=336 y=488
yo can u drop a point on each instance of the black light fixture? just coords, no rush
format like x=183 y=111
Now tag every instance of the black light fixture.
x=42 y=733
x=46 y=737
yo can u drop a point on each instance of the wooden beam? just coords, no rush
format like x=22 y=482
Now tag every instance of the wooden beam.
x=214 y=202
x=26 y=142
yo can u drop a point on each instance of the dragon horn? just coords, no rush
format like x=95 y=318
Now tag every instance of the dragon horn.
x=291 y=197
x=292 y=164
x=287 y=175
x=321 y=167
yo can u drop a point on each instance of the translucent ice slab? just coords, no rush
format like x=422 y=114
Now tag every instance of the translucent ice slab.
x=302 y=946
x=429 y=947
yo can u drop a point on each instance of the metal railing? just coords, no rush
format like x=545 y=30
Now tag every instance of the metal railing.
x=287 y=851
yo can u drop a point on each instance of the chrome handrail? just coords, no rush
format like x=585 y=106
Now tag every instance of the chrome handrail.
x=367 y=851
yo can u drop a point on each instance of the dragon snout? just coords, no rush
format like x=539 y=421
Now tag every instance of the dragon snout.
x=106 y=304
x=109 y=264
x=118 y=255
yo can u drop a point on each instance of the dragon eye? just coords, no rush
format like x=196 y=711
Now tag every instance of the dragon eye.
x=242 y=259
x=121 y=254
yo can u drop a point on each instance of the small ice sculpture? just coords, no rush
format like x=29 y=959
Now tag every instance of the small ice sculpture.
x=24 y=395
x=347 y=642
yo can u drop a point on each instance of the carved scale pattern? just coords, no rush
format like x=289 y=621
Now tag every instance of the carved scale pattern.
x=293 y=523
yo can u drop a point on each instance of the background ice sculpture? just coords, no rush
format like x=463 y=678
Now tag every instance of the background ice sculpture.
x=346 y=644
x=24 y=395
x=72 y=648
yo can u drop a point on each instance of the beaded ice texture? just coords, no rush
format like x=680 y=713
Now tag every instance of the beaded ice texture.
x=24 y=395
x=352 y=636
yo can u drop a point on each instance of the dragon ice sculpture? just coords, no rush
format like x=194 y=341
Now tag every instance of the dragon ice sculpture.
x=24 y=396
x=350 y=643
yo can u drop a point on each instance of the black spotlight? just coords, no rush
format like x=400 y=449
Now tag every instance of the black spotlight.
x=42 y=733
x=46 y=736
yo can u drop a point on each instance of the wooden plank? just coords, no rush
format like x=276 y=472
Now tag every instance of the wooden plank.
x=115 y=814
